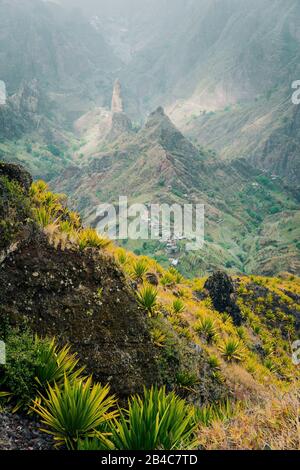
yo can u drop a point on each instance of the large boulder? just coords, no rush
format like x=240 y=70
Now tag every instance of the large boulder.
x=221 y=290
x=82 y=299
x=16 y=173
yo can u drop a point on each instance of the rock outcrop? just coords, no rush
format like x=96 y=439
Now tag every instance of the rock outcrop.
x=16 y=173
x=117 y=101
x=221 y=290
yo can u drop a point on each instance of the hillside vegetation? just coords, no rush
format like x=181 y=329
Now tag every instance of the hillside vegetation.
x=221 y=346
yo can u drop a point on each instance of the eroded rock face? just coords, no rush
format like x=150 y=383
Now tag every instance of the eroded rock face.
x=55 y=293
x=221 y=290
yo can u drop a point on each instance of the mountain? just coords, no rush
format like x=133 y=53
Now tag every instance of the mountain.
x=60 y=49
x=251 y=217
x=215 y=66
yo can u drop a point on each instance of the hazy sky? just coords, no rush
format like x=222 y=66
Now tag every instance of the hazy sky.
x=107 y=6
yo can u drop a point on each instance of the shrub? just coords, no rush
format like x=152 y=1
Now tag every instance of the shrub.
x=88 y=237
x=147 y=296
x=14 y=209
x=18 y=374
x=32 y=363
x=156 y=420
x=232 y=350
x=206 y=327
x=77 y=410
x=178 y=306
x=187 y=379
x=139 y=269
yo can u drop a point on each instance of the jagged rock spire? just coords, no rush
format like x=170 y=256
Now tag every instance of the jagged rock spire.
x=117 y=102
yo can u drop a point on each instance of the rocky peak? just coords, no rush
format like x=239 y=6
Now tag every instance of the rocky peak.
x=117 y=101
x=160 y=128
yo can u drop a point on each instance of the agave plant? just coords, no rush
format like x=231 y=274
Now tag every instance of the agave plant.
x=222 y=411
x=232 y=350
x=43 y=216
x=52 y=201
x=215 y=367
x=139 y=269
x=269 y=364
x=147 y=296
x=158 y=337
x=88 y=237
x=156 y=420
x=167 y=279
x=101 y=442
x=77 y=410
x=38 y=187
x=54 y=364
x=241 y=333
x=176 y=275
x=122 y=256
x=66 y=227
x=187 y=379
x=206 y=327
x=74 y=219
x=178 y=306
